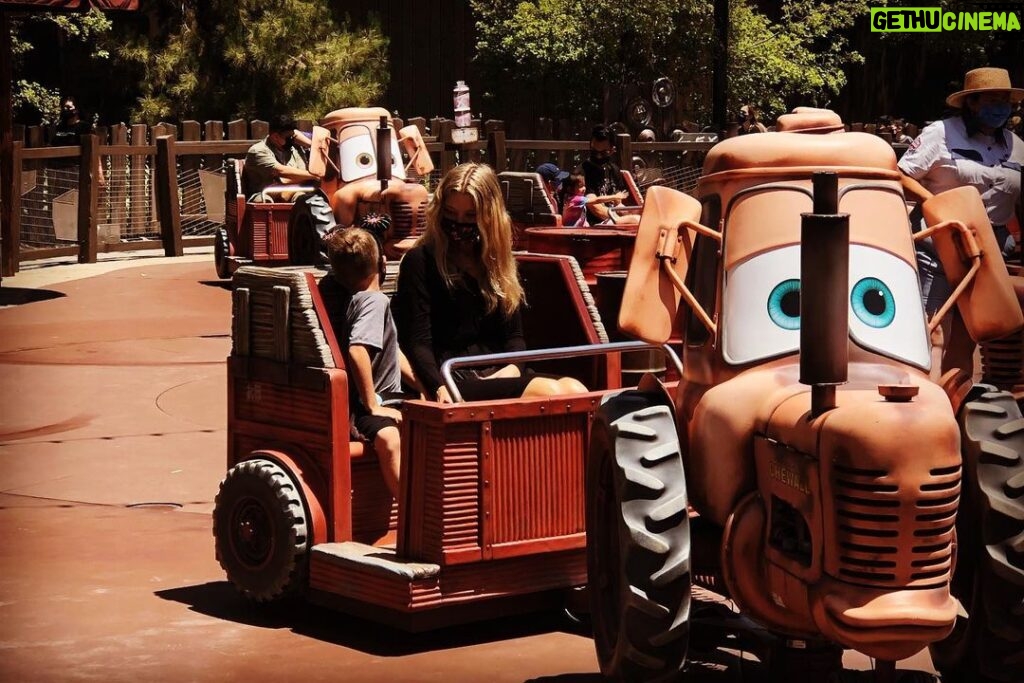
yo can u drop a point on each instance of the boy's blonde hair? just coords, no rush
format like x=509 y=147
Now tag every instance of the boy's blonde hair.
x=354 y=256
x=500 y=284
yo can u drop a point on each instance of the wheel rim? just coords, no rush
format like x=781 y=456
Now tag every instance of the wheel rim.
x=251 y=533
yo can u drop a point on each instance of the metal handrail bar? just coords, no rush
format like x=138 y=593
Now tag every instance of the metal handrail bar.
x=548 y=354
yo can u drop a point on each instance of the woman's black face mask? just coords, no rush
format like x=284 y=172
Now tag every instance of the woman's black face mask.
x=460 y=232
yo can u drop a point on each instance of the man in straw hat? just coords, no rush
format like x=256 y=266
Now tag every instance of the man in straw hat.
x=973 y=148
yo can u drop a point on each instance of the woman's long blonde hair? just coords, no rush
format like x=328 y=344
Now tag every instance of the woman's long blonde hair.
x=500 y=279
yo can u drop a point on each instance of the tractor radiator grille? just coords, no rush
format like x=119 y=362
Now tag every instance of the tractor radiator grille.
x=893 y=538
x=408 y=220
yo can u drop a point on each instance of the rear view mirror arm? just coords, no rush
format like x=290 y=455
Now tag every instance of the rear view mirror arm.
x=968 y=245
x=670 y=242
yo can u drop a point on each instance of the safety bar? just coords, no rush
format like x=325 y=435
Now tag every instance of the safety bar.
x=548 y=354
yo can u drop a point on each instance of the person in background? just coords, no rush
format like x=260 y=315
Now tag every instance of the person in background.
x=553 y=178
x=899 y=134
x=68 y=133
x=361 y=315
x=575 y=199
x=603 y=177
x=972 y=148
x=276 y=159
x=748 y=120
x=459 y=294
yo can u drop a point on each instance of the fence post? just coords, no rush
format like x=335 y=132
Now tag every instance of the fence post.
x=167 y=195
x=238 y=129
x=191 y=193
x=625 y=144
x=118 y=180
x=260 y=129
x=12 y=211
x=88 y=198
x=138 y=216
x=214 y=131
x=496 y=150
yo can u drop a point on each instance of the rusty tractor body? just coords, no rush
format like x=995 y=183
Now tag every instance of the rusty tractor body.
x=490 y=516
x=820 y=465
x=358 y=154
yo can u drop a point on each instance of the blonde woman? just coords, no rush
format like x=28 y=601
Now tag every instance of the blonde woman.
x=459 y=293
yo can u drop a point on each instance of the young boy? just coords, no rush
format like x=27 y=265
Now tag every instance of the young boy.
x=376 y=366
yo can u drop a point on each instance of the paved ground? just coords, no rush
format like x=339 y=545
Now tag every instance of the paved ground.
x=112 y=411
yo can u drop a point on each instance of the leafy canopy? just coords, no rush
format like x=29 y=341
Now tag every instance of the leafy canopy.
x=585 y=46
x=248 y=58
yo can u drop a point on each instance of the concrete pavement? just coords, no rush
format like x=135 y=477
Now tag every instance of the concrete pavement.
x=112 y=440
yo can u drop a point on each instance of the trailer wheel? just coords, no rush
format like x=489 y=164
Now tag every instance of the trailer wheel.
x=989 y=578
x=309 y=222
x=261 y=530
x=221 y=251
x=638 y=539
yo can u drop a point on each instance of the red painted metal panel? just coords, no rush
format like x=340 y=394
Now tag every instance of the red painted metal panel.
x=538 y=479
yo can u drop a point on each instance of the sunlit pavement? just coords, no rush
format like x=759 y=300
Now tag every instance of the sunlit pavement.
x=112 y=440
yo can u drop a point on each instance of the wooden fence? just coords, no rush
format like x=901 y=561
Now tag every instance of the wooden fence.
x=139 y=187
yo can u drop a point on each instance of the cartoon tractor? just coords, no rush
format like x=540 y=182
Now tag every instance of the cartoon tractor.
x=808 y=467
x=358 y=154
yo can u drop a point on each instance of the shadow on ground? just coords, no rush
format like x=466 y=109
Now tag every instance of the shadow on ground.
x=715 y=655
x=220 y=600
x=221 y=284
x=17 y=296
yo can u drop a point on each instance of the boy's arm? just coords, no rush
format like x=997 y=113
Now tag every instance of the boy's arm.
x=408 y=376
x=363 y=376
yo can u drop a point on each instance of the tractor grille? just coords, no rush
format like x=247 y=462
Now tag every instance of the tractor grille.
x=888 y=538
x=408 y=220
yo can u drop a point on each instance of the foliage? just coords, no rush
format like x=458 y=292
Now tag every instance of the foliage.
x=585 y=46
x=800 y=59
x=32 y=35
x=248 y=58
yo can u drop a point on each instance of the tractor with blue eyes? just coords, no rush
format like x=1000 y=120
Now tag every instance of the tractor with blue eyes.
x=806 y=465
x=358 y=154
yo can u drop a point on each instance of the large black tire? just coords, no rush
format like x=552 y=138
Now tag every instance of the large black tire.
x=221 y=251
x=261 y=530
x=988 y=645
x=638 y=540
x=309 y=222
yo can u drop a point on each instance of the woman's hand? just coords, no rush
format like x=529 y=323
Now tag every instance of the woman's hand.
x=443 y=396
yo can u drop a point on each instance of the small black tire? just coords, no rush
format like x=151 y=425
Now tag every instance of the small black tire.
x=309 y=222
x=987 y=645
x=261 y=530
x=221 y=251
x=638 y=539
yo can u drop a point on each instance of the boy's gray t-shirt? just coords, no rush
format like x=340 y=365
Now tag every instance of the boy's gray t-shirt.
x=370 y=324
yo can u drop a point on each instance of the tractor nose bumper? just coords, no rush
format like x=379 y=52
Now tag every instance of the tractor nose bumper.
x=883 y=623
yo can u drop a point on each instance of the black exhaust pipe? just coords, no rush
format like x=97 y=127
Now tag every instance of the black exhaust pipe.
x=824 y=294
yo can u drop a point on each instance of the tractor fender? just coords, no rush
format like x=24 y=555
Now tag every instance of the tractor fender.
x=301 y=473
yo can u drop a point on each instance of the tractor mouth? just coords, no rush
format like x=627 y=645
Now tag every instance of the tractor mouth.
x=883 y=623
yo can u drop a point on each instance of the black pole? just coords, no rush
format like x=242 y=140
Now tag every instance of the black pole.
x=720 y=66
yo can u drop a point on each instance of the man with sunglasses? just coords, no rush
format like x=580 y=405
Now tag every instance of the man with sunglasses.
x=276 y=160
x=602 y=175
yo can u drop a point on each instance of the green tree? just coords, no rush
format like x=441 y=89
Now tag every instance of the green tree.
x=247 y=58
x=585 y=46
x=37 y=38
x=802 y=58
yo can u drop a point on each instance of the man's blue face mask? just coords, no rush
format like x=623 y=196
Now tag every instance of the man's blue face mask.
x=994 y=115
